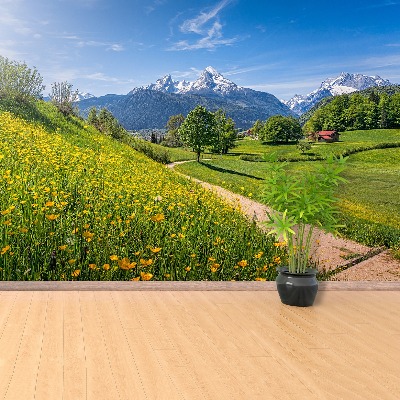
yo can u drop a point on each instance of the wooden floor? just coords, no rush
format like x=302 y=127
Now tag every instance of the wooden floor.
x=195 y=344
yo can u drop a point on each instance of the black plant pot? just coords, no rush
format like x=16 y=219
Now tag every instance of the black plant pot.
x=297 y=289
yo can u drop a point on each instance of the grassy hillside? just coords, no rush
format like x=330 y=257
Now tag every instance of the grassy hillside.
x=370 y=202
x=76 y=204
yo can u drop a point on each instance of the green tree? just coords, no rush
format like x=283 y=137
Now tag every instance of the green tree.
x=198 y=130
x=18 y=81
x=257 y=129
x=383 y=110
x=106 y=123
x=281 y=129
x=225 y=133
x=394 y=110
x=92 y=118
x=63 y=97
x=172 y=138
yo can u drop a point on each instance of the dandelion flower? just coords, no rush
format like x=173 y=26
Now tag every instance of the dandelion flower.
x=242 y=263
x=63 y=247
x=156 y=249
x=106 y=267
x=114 y=257
x=76 y=273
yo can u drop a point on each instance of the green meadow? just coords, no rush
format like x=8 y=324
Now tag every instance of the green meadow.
x=369 y=202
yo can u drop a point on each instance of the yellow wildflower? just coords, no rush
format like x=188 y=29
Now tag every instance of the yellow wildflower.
x=114 y=257
x=49 y=204
x=242 y=263
x=106 y=267
x=63 y=247
x=72 y=261
x=76 y=273
x=156 y=250
x=158 y=218
x=52 y=217
x=214 y=267
x=146 y=276
x=277 y=260
x=5 y=249
x=126 y=264
x=87 y=235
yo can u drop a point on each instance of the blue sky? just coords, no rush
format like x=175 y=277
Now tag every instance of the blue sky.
x=282 y=47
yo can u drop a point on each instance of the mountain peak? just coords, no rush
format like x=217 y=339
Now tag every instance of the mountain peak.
x=342 y=84
x=211 y=70
x=210 y=81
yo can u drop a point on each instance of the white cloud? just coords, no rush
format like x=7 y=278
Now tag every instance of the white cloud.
x=208 y=26
x=196 y=25
x=93 y=43
x=116 y=47
x=100 y=76
x=154 y=5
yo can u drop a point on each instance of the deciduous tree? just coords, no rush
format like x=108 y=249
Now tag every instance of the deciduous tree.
x=63 y=97
x=18 y=81
x=172 y=138
x=225 y=133
x=281 y=129
x=198 y=130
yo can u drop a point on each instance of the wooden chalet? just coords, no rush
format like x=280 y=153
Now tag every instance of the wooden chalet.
x=328 y=136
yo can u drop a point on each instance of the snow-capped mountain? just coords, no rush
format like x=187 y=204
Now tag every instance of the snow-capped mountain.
x=209 y=82
x=84 y=96
x=151 y=106
x=344 y=83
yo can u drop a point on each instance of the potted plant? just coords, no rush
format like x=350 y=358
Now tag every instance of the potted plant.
x=301 y=201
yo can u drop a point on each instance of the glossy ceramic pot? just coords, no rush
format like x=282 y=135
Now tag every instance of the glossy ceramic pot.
x=297 y=289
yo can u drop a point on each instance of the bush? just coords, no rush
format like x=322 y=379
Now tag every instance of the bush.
x=248 y=157
x=155 y=152
x=19 y=81
x=303 y=145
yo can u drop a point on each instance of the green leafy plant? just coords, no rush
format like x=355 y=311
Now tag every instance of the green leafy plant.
x=302 y=202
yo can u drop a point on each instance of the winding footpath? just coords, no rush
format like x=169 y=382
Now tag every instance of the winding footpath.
x=354 y=261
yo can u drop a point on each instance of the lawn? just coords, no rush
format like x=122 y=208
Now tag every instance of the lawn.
x=370 y=199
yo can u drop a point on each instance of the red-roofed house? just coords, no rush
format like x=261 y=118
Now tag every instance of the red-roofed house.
x=328 y=136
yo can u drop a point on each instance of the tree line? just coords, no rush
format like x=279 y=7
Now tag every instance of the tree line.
x=356 y=112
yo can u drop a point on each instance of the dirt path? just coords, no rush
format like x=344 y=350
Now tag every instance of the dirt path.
x=358 y=262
